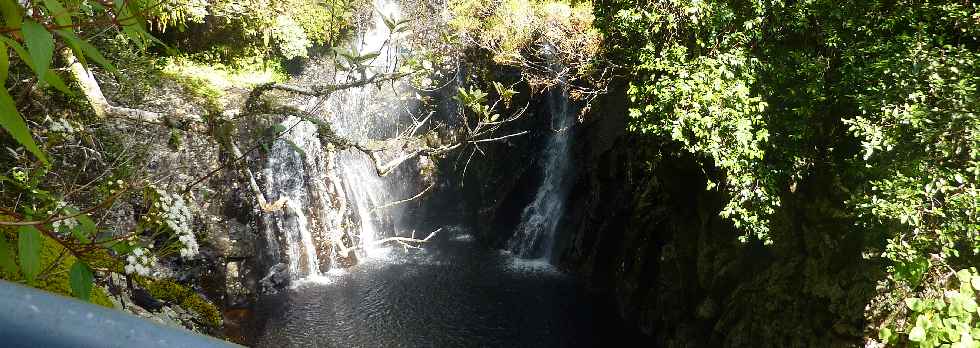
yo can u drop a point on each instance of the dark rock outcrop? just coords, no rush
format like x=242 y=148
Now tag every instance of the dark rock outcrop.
x=277 y=279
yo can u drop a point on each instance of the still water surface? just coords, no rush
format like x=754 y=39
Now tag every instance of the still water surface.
x=453 y=293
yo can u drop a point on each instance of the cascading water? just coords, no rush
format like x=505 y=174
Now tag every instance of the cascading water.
x=332 y=194
x=534 y=237
x=365 y=113
x=293 y=164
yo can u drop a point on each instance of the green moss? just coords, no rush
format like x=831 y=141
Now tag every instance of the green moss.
x=55 y=263
x=208 y=81
x=170 y=291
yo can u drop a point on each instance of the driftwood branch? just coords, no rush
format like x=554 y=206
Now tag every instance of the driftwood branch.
x=93 y=93
x=420 y=194
x=408 y=242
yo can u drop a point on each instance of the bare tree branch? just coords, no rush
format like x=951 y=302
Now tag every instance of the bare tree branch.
x=420 y=194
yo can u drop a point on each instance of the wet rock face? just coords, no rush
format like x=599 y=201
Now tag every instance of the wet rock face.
x=238 y=285
x=277 y=279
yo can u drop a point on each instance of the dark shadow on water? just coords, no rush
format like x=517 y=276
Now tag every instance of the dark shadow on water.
x=452 y=294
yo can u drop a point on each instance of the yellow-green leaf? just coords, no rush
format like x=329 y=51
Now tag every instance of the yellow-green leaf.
x=73 y=42
x=918 y=334
x=61 y=16
x=7 y=257
x=21 y=52
x=13 y=14
x=86 y=227
x=29 y=250
x=10 y=118
x=4 y=62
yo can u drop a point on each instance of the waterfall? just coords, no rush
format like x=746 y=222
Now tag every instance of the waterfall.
x=535 y=234
x=294 y=161
x=366 y=113
x=331 y=194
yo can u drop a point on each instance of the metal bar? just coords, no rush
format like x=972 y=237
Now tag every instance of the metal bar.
x=33 y=318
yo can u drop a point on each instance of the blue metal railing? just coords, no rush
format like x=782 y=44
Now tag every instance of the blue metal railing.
x=33 y=318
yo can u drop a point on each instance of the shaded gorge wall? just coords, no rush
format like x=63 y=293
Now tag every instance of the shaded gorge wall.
x=644 y=233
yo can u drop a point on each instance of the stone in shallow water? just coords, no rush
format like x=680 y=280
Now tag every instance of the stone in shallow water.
x=277 y=279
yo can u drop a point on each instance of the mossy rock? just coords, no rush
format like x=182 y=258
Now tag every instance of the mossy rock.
x=56 y=262
x=170 y=291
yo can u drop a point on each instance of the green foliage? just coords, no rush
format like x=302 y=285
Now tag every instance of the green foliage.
x=513 y=31
x=290 y=36
x=874 y=102
x=731 y=83
x=7 y=263
x=950 y=319
x=36 y=33
x=56 y=265
x=273 y=29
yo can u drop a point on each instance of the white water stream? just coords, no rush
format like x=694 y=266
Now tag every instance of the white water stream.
x=330 y=194
x=535 y=235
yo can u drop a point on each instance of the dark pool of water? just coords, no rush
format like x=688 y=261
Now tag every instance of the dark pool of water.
x=453 y=293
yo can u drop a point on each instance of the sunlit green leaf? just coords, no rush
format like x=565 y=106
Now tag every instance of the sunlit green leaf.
x=94 y=54
x=885 y=334
x=74 y=43
x=915 y=304
x=40 y=46
x=85 y=228
x=61 y=16
x=918 y=334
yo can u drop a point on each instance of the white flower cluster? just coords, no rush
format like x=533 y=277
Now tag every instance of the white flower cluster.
x=61 y=126
x=140 y=262
x=64 y=224
x=177 y=216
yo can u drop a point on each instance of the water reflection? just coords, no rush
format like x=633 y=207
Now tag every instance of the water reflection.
x=451 y=294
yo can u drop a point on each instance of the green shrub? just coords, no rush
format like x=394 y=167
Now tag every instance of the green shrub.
x=873 y=103
x=949 y=318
